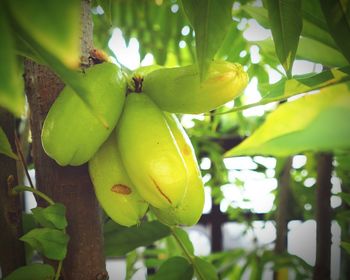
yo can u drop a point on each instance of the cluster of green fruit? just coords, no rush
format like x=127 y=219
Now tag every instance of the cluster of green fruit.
x=144 y=159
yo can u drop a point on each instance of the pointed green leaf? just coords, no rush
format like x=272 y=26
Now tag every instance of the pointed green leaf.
x=52 y=216
x=120 y=240
x=54 y=25
x=52 y=243
x=317 y=122
x=337 y=14
x=173 y=269
x=314 y=25
x=35 y=271
x=211 y=20
x=204 y=270
x=11 y=82
x=286 y=24
x=5 y=147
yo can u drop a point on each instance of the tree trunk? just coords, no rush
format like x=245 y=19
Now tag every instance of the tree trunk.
x=70 y=186
x=322 y=269
x=282 y=215
x=12 y=249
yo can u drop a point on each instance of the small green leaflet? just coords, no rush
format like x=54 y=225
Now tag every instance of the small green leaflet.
x=11 y=82
x=317 y=122
x=211 y=20
x=184 y=238
x=120 y=240
x=35 y=271
x=5 y=147
x=286 y=24
x=52 y=243
x=52 y=216
x=173 y=269
x=204 y=270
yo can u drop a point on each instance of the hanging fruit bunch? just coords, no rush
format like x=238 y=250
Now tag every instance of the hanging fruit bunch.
x=143 y=159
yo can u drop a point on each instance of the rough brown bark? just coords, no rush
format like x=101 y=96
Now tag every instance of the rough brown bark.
x=282 y=212
x=68 y=185
x=12 y=249
x=322 y=269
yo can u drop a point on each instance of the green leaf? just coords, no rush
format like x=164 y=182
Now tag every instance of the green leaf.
x=346 y=246
x=306 y=124
x=50 y=242
x=306 y=83
x=11 y=82
x=184 y=239
x=52 y=216
x=54 y=25
x=337 y=14
x=28 y=223
x=36 y=271
x=173 y=269
x=309 y=49
x=299 y=84
x=205 y=270
x=5 y=147
x=345 y=197
x=314 y=25
x=211 y=20
x=121 y=240
x=131 y=259
x=286 y=24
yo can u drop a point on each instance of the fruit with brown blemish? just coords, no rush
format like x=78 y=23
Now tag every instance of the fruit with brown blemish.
x=150 y=153
x=190 y=209
x=114 y=189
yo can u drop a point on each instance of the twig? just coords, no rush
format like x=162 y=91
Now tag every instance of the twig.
x=20 y=153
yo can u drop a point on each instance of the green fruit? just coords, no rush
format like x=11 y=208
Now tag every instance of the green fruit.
x=71 y=134
x=145 y=70
x=179 y=90
x=114 y=190
x=190 y=209
x=150 y=153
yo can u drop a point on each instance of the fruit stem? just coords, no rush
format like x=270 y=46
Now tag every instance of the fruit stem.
x=35 y=191
x=189 y=256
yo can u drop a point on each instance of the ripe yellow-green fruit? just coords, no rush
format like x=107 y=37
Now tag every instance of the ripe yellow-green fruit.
x=190 y=209
x=150 y=153
x=113 y=187
x=71 y=134
x=179 y=90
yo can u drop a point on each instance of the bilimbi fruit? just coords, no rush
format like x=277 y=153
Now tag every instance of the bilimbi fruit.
x=150 y=154
x=71 y=134
x=190 y=209
x=113 y=187
x=179 y=89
